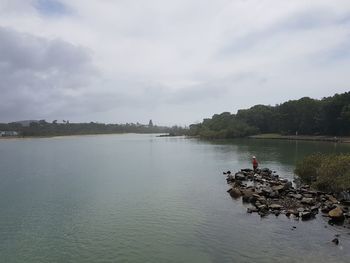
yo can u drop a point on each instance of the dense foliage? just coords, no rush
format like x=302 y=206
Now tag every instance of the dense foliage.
x=306 y=116
x=326 y=172
x=43 y=128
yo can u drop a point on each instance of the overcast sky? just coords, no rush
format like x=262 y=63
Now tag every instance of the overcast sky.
x=175 y=62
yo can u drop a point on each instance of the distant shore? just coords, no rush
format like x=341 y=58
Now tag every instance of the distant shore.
x=66 y=135
x=276 y=136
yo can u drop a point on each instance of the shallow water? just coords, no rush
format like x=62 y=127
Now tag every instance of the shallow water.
x=141 y=198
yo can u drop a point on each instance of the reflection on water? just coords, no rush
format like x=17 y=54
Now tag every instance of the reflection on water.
x=137 y=198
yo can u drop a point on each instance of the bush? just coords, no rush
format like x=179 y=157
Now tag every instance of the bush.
x=325 y=172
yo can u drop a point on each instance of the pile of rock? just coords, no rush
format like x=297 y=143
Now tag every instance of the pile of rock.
x=269 y=194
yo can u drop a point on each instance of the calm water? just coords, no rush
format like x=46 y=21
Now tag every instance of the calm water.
x=140 y=198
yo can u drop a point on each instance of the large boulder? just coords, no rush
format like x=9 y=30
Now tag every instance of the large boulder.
x=234 y=192
x=336 y=214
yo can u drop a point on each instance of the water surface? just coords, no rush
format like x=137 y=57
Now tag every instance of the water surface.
x=141 y=198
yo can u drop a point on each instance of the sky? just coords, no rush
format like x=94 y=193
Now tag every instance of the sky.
x=175 y=62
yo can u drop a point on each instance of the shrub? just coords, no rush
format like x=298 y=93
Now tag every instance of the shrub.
x=325 y=172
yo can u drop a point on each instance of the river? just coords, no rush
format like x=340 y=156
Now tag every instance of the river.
x=142 y=198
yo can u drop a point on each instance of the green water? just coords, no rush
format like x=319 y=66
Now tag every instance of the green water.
x=141 y=198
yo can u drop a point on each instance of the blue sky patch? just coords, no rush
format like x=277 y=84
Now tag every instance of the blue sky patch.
x=51 y=7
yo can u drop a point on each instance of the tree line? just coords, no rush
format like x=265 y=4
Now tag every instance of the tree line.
x=306 y=116
x=44 y=128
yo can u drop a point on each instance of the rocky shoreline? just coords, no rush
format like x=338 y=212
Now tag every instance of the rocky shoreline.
x=269 y=194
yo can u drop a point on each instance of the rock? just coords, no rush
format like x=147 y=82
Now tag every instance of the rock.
x=266 y=192
x=230 y=178
x=247 y=195
x=288 y=186
x=277 y=187
x=263 y=213
x=332 y=199
x=336 y=214
x=262 y=207
x=325 y=209
x=335 y=241
x=298 y=196
x=274 y=194
x=275 y=206
x=235 y=192
x=307 y=201
x=307 y=195
x=314 y=209
x=266 y=170
x=307 y=215
x=292 y=212
x=240 y=176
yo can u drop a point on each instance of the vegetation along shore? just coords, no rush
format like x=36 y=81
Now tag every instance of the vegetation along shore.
x=329 y=117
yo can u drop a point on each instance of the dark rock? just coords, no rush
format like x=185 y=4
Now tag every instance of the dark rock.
x=235 y=192
x=262 y=207
x=335 y=241
x=307 y=215
x=314 y=209
x=230 y=178
x=240 y=176
x=263 y=213
x=266 y=170
x=288 y=186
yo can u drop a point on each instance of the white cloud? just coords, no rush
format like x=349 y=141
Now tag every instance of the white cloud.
x=180 y=61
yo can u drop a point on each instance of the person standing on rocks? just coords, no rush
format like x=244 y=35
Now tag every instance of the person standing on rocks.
x=255 y=163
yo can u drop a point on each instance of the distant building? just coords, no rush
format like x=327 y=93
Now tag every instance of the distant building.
x=8 y=133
